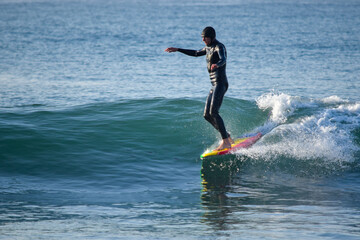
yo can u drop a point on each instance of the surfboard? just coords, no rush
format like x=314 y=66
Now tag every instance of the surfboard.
x=242 y=142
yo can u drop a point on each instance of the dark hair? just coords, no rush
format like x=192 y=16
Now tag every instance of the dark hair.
x=209 y=32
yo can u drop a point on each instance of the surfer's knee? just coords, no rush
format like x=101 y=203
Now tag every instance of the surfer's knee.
x=207 y=116
x=213 y=114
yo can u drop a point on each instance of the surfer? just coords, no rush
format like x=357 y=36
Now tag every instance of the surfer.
x=216 y=65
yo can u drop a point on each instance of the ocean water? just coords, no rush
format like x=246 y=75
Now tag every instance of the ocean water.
x=101 y=130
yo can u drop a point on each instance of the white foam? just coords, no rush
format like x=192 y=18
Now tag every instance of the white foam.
x=333 y=100
x=325 y=133
x=282 y=105
x=353 y=108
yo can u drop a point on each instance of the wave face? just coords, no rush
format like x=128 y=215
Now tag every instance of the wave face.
x=125 y=143
x=123 y=140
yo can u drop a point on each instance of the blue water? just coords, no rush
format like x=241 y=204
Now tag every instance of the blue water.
x=101 y=130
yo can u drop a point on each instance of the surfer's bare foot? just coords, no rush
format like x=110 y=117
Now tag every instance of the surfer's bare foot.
x=230 y=139
x=226 y=143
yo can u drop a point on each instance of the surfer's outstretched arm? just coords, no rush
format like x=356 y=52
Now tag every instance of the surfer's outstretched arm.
x=193 y=53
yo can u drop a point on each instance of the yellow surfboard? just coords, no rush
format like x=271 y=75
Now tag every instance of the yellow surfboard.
x=242 y=142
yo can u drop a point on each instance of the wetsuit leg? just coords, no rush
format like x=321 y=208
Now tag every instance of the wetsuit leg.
x=207 y=109
x=212 y=106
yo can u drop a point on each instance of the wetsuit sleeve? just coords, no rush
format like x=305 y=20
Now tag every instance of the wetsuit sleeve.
x=193 y=53
x=222 y=55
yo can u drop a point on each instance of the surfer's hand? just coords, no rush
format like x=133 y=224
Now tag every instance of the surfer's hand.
x=214 y=66
x=171 y=49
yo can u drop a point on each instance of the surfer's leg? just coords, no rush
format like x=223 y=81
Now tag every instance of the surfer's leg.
x=216 y=101
x=207 y=115
x=217 y=98
x=211 y=114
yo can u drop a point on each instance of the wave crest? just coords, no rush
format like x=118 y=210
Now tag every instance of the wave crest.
x=318 y=132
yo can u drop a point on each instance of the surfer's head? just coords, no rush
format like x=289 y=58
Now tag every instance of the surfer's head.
x=208 y=35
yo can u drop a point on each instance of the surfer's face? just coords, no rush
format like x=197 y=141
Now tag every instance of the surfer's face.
x=207 y=41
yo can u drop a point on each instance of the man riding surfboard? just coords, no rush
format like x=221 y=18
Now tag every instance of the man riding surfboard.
x=216 y=55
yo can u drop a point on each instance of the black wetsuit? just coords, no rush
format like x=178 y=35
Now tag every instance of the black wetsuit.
x=215 y=54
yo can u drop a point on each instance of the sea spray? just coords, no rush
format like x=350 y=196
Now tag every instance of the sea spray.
x=320 y=133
